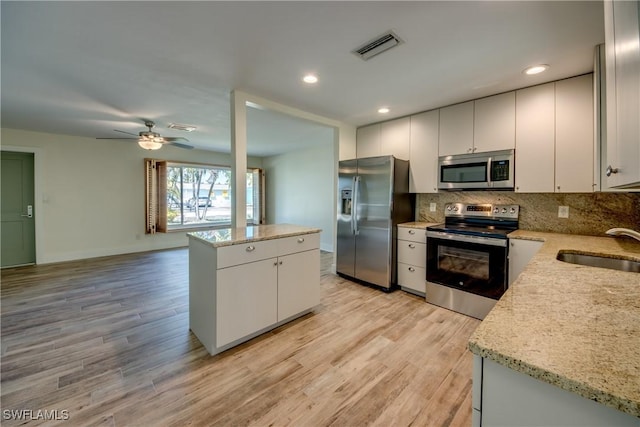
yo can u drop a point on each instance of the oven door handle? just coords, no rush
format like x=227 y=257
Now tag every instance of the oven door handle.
x=468 y=239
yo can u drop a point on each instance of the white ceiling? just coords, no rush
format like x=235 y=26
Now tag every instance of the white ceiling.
x=87 y=68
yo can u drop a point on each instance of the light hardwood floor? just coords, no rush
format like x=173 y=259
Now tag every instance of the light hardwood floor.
x=108 y=341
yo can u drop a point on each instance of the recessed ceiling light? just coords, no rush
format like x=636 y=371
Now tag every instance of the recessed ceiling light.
x=310 y=78
x=383 y=110
x=536 y=69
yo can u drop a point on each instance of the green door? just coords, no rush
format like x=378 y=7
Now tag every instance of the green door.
x=17 y=211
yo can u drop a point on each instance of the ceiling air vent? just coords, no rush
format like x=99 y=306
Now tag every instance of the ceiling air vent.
x=377 y=45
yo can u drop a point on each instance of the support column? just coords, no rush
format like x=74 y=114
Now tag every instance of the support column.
x=238 y=159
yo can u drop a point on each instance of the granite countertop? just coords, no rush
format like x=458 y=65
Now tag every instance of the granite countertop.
x=572 y=326
x=418 y=224
x=255 y=233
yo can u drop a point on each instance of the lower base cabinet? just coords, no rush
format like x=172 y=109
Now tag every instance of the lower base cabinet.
x=237 y=292
x=504 y=397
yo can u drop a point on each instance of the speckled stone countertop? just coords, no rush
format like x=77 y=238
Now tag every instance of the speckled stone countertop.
x=572 y=326
x=417 y=224
x=256 y=233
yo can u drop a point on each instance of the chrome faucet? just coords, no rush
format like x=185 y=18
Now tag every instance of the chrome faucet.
x=623 y=232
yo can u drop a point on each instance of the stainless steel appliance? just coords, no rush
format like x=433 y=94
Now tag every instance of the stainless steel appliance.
x=477 y=171
x=373 y=197
x=467 y=257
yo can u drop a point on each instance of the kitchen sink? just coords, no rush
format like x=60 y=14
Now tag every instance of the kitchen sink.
x=600 y=261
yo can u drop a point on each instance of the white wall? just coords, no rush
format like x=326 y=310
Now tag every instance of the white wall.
x=300 y=190
x=90 y=194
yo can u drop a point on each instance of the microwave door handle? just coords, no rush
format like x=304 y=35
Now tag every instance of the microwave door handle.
x=489 y=183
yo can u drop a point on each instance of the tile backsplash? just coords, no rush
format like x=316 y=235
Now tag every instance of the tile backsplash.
x=589 y=213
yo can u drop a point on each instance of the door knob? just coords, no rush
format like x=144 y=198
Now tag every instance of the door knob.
x=611 y=170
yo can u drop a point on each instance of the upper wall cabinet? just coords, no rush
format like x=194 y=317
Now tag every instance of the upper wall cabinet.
x=622 y=45
x=494 y=125
x=387 y=138
x=456 y=129
x=486 y=124
x=574 y=135
x=368 y=141
x=394 y=138
x=423 y=164
x=555 y=137
x=535 y=139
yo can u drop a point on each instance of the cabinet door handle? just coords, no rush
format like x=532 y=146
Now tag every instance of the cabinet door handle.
x=412 y=246
x=411 y=269
x=280 y=263
x=611 y=170
x=412 y=232
x=301 y=239
x=250 y=248
x=275 y=263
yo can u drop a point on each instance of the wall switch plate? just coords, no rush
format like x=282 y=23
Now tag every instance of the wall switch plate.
x=563 y=211
x=432 y=207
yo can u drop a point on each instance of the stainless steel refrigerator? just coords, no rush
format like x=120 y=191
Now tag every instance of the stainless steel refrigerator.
x=373 y=197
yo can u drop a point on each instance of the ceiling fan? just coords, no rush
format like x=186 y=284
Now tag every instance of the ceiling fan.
x=150 y=140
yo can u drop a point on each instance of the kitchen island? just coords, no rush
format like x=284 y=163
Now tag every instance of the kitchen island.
x=246 y=281
x=565 y=325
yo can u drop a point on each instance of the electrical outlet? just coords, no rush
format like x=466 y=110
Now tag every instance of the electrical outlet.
x=432 y=207
x=563 y=211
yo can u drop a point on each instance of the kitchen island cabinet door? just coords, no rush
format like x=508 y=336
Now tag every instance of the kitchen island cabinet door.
x=298 y=279
x=246 y=299
x=423 y=158
x=535 y=139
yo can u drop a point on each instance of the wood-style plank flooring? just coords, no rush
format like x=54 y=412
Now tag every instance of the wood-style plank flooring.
x=108 y=340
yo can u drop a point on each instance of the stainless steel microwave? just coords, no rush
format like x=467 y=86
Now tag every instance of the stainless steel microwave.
x=477 y=171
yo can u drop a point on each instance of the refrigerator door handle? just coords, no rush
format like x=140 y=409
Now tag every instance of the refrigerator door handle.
x=354 y=213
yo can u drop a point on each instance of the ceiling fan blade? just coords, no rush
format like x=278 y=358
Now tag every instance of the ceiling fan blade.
x=128 y=133
x=120 y=138
x=179 y=145
x=174 y=139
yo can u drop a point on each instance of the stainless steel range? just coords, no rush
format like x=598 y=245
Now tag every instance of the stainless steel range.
x=467 y=257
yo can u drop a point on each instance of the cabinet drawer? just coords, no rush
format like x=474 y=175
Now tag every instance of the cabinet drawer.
x=412 y=253
x=413 y=234
x=304 y=242
x=246 y=252
x=413 y=277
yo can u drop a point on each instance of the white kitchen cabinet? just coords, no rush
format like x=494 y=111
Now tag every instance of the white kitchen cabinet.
x=239 y=291
x=574 y=135
x=622 y=32
x=555 y=137
x=520 y=253
x=368 y=141
x=298 y=279
x=494 y=124
x=412 y=259
x=246 y=299
x=423 y=158
x=535 y=139
x=456 y=129
x=395 y=138
x=511 y=398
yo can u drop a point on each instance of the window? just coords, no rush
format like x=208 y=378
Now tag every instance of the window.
x=182 y=195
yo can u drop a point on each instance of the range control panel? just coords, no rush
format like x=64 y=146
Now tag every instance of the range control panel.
x=481 y=210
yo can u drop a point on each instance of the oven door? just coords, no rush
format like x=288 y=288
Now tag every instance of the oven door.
x=472 y=264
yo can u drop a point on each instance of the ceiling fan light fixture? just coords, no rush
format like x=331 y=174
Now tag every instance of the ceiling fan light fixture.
x=149 y=144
